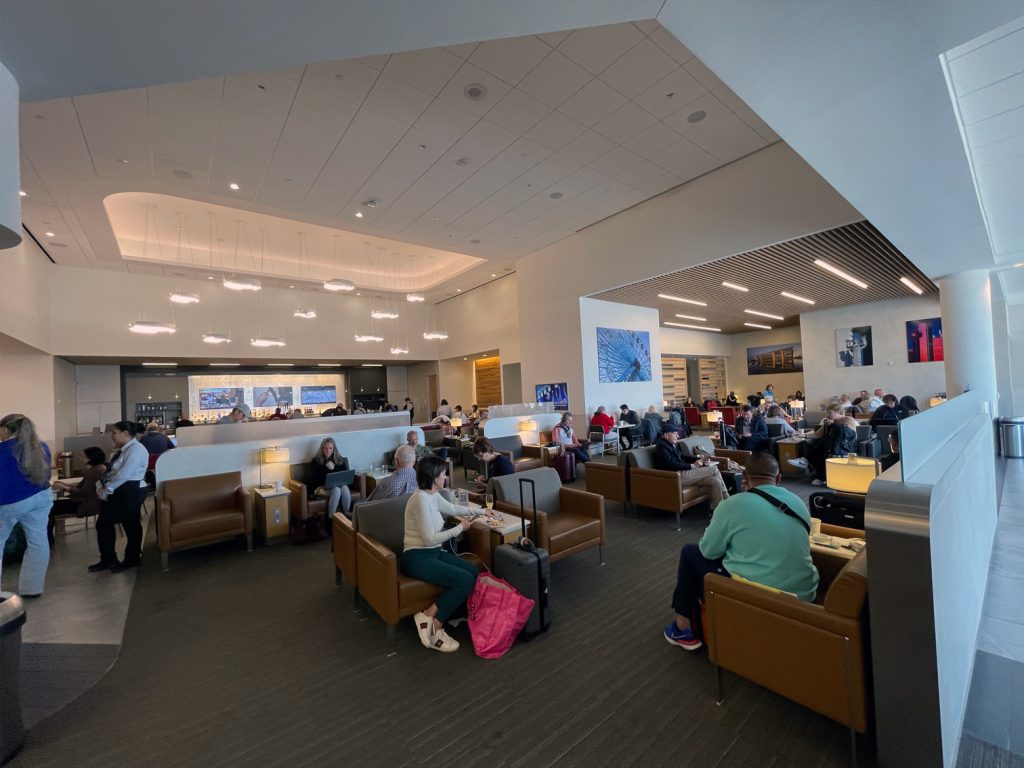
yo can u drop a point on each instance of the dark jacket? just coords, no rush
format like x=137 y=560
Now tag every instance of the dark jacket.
x=840 y=439
x=630 y=417
x=500 y=466
x=669 y=457
x=887 y=415
x=318 y=473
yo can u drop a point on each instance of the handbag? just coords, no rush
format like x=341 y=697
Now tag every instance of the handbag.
x=497 y=614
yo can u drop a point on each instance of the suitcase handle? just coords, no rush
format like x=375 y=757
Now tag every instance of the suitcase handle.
x=522 y=501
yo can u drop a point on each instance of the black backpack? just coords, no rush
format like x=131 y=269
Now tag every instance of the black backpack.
x=842 y=440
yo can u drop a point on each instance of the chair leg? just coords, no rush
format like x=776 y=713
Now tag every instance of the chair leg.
x=248 y=542
x=338 y=577
x=165 y=561
x=391 y=631
x=679 y=521
x=853 y=748
x=718 y=682
x=357 y=599
x=600 y=553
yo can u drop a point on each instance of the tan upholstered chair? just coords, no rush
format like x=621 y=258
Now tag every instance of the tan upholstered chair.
x=568 y=520
x=659 y=488
x=202 y=510
x=816 y=654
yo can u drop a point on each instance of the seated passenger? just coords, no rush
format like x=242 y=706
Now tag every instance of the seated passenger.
x=731 y=399
x=751 y=429
x=155 y=441
x=495 y=464
x=694 y=470
x=424 y=559
x=329 y=459
x=777 y=416
x=412 y=439
x=749 y=536
x=402 y=480
x=836 y=436
x=602 y=419
x=628 y=418
x=889 y=412
x=82 y=500
x=564 y=436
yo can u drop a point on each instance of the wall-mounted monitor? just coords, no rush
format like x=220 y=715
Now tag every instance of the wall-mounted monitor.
x=269 y=397
x=319 y=394
x=218 y=398
x=554 y=393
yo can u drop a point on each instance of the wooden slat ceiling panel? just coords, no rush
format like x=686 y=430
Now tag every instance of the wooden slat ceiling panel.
x=859 y=249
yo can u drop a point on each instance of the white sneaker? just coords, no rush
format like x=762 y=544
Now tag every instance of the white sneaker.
x=425 y=627
x=801 y=462
x=443 y=643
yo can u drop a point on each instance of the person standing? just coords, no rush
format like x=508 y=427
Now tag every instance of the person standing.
x=25 y=497
x=121 y=489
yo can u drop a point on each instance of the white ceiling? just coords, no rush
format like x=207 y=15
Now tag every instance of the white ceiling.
x=573 y=127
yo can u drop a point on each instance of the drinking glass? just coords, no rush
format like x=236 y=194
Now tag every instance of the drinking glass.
x=489 y=501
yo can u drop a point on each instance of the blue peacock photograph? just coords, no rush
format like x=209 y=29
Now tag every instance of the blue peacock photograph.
x=623 y=355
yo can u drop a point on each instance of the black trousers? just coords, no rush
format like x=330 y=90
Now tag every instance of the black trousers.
x=689 y=591
x=122 y=506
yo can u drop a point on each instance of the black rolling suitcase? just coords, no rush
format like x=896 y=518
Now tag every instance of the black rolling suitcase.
x=527 y=568
x=834 y=508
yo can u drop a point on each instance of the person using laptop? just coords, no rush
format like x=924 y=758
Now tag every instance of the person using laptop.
x=328 y=459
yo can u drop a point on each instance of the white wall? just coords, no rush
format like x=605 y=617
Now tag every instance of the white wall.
x=417 y=380
x=891 y=371
x=10 y=203
x=25 y=313
x=1015 y=334
x=456 y=382
x=483 y=319
x=639 y=394
x=98 y=394
x=65 y=400
x=736 y=364
x=398 y=384
x=676 y=341
x=26 y=375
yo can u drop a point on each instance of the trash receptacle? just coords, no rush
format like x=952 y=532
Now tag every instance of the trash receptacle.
x=1011 y=436
x=12 y=729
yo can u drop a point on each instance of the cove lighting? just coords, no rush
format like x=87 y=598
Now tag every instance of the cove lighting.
x=184 y=298
x=151 y=327
x=241 y=283
x=224 y=365
x=365 y=337
x=415 y=297
x=216 y=338
x=911 y=285
x=383 y=314
x=692 y=317
x=763 y=314
x=339 y=284
x=305 y=314
x=795 y=297
x=160 y=365
x=266 y=341
x=695 y=327
x=840 y=273
x=735 y=287
x=758 y=325
x=685 y=301
x=399 y=351
x=435 y=335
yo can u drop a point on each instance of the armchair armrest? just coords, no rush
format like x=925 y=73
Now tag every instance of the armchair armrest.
x=582 y=503
x=377 y=567
x=533 y=451
x=656 y=488
x=513 y=509
x=740 y=457
x=244 y=502
x=165 y=524
x=478 y=541
x=607 y=480
x=299 y=500
x=345 y=548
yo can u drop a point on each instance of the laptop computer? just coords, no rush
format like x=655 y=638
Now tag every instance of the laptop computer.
x=340 y=478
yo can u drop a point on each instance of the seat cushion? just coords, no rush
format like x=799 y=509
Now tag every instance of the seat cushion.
x=209 y=524
x=567 y=530
x=412 y=591
x=524 y=463
x=692 y=493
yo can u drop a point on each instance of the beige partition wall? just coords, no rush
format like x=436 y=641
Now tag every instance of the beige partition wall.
x=673 y=376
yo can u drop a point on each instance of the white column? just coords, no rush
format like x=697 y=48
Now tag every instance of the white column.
x=966 y=302
x=10 y=166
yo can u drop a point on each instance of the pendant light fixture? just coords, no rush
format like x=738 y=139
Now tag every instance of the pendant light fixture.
x=240 y=282
x=434 y=331
x=143 y=326
x=182 y=297
x=371 y=336
x=414 y=296
x=305 y=313
x=384 y=312
x=267 y=341
x=338 y=283
x=260 y=340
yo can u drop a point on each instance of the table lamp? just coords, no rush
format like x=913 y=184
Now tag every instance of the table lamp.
x=933 y=401
x=272 y=455
x=455 y=423
x=714 y=417
x=852 y=474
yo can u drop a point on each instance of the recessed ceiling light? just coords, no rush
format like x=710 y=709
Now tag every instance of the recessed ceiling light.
x=280 y=365
x=556 y=195
x=494 y=274
x=209 y=277
x=696 y=117
x=23 y=193
x=291 y=286
x=151 y=327
x=462 y=162
x=371 y=203
x=160 y=365
x=734 y=286
x=122 y=161
x=224 y=365
x=911 y=285
x=435 y=335
x=695 y=327
x=399 y=350
x=758 y=325
x=180 y=174
x=670 y=297
x=383 y=314
x=692 y=317
x=458 y=290
x=473 y=242
x=233 y=186
x=216 y=338
x=50 y=234
x=359 y=214
x=474 y=91
x=840 y=273
x=795 y=297
x=415 y=297
x=763 y=314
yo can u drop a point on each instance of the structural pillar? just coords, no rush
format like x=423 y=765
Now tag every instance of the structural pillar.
x=10 y=164
x=967 y=339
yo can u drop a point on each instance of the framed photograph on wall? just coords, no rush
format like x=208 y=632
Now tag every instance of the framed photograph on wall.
x=777 y=358
x=853 y=347
x=924 y=341
x=623 y=356
x=554 y=393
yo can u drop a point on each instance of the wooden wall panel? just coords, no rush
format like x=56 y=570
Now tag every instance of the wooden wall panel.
x=488 y=381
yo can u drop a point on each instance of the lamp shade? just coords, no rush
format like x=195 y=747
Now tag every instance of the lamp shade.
x=933 y=401
x=529 y=425
x=851 y=475
x=455 y=423
x=714 y=417
x=274 y=455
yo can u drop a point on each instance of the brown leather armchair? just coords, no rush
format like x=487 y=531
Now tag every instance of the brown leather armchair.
x=816 y=654
x=380 y=530
x=659 y=488
x=693 y=446
x=568 y=520
x=304 y=510
x=609 y=481
x=202 y=510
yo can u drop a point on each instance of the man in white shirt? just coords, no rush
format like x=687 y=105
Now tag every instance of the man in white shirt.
x=876 y=401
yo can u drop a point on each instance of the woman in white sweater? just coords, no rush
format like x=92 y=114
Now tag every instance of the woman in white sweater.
x=424 y=559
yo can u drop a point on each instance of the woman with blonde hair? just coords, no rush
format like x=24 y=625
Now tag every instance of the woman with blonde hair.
x=329 y=459
x=25 y=497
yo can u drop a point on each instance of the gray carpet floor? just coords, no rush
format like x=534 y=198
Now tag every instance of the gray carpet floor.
x=256 y=659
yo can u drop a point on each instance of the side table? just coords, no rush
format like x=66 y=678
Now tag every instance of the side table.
x=272 y=515
x=790 y=448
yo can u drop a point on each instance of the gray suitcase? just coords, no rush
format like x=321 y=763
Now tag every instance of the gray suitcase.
x=527 y=568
